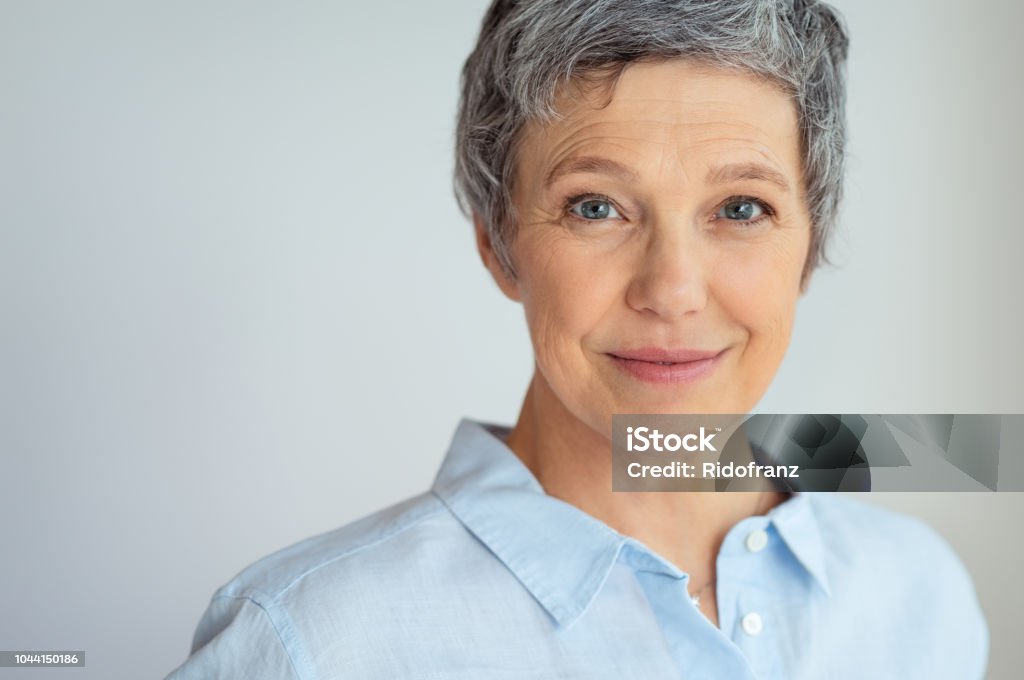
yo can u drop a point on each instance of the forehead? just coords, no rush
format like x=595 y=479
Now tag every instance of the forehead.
x=674 y=109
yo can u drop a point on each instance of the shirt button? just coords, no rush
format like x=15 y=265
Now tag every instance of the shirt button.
x=752 y=624
x=757 y=540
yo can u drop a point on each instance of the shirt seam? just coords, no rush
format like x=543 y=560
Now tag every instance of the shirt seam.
x=395 y=531
x=277 y=626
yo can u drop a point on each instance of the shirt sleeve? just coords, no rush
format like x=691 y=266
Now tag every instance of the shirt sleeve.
x=237 y=638
x=978 y=642
x=965 y=639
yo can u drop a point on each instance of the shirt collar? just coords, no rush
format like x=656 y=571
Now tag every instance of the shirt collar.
x=489 y=489
x=797 y=523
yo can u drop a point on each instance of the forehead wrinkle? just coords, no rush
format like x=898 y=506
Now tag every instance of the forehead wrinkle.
x=677 y=132
x=620 y=149
x=626 y=136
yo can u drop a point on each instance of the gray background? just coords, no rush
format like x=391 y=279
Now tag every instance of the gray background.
x=230 y=256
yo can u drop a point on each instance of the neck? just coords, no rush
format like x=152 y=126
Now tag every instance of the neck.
x=573 y=462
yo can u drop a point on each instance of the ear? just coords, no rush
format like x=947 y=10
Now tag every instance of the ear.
x=805 y=283
x=508 y=285
x=808 y=271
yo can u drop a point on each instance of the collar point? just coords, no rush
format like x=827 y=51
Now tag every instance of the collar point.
x=565 y=618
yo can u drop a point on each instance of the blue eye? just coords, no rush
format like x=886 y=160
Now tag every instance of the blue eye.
x=594 y=209
x=743 y=210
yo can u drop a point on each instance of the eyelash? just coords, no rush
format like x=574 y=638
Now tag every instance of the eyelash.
x=573 y=201
x=766 y=210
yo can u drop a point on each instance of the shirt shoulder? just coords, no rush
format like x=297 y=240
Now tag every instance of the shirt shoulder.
x=270 y=577
x=881 y=561
x=858 y=533
x=276 y=603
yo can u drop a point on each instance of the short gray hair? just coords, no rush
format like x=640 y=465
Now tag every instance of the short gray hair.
x=528 y=49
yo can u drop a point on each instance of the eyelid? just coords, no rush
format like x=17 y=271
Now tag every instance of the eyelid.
x=575 y=200
x=588 y=196
x=764 y=205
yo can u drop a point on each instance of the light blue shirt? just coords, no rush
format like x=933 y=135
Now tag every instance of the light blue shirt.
x=486 y=577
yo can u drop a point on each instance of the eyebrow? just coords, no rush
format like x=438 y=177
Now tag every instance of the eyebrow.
x=736 y=172
x=723 y=174
x=589 y=164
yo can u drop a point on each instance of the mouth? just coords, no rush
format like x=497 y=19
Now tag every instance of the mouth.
x=667 y=366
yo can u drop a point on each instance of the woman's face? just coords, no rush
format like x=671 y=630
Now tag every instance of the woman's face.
x=668 y=219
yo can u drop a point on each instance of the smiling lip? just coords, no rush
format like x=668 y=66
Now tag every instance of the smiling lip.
x=657 y=365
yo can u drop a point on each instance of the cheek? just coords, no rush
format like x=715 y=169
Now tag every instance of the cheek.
x=563 y=299
x=759 y=289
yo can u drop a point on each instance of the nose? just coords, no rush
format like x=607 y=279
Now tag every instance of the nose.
x=670 y=277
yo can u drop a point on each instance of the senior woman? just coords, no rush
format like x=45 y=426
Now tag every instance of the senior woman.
x=654 y=181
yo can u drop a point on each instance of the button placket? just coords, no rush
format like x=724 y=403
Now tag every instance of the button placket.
x=755 y=542
x=741 y=562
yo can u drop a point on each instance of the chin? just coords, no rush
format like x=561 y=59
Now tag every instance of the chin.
x=710 y=398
